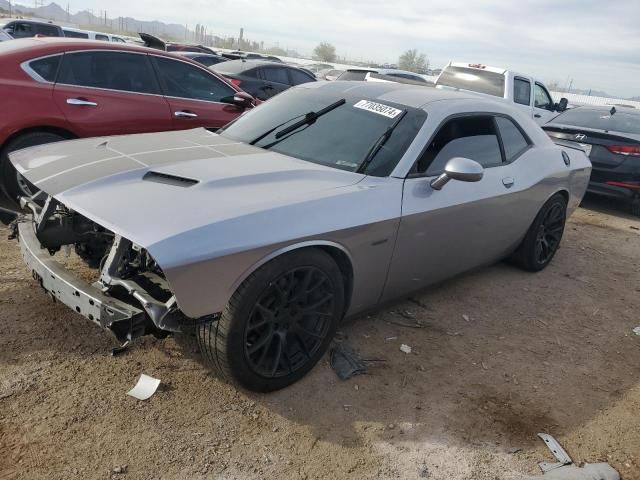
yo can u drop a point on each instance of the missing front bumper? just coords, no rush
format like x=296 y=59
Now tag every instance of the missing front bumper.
x=121 y=318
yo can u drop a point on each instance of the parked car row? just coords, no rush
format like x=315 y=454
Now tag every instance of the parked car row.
x=31 y=28
x=128 y=89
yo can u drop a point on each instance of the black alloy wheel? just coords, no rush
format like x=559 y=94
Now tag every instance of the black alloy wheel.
x=289 y=322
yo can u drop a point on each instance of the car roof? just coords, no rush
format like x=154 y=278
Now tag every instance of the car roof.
x=36 y=46
x=415 y=96
x=242 y=65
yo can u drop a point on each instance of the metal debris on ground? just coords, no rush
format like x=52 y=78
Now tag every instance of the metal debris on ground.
x=636 y=331
x=345 y=362
x=145 y=387
x=557 y=450
x=564 y=469
x=466 y=318
x=400 y=323
x=405 y=348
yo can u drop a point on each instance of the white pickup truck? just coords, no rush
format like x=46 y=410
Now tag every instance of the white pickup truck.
x=525 y=92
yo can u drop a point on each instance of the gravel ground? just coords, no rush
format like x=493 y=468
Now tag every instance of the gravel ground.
x=502 y=355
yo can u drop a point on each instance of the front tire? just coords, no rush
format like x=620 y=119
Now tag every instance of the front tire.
x=279 y=322
x=542 y=240
x=14 y=184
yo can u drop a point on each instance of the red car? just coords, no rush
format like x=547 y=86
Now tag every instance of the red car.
x=57 y=89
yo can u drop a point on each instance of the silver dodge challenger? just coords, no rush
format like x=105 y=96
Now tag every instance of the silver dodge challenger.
x=324 y=202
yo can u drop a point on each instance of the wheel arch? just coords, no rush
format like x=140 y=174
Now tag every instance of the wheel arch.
x=338 y=252
x=63 y=132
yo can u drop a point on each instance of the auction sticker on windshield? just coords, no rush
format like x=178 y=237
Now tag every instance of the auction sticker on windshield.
x=378 y=108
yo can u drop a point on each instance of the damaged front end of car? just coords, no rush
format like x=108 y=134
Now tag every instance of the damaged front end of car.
x=130 y=295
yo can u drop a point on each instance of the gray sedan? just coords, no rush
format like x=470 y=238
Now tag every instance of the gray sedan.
x=321 y=203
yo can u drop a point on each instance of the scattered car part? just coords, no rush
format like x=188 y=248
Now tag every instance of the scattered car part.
x=144 y=388
x=557 y=450
x=346 y=362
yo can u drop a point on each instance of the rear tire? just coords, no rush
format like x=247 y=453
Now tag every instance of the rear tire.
x=635 y=207
x=15 y=185
x=542 y=240
x=278 y=323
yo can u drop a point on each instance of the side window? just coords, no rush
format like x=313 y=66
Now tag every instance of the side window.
x=253 y=73
x=186 y=81
x=470 y=137
x=275 y=74
x=298 y=77
x=46 y=68
x=513 y=140
x=129 y=72
x=117 y=40
x=104 y=38
x=543 y=99
x=522 y=91
x=21 y=30
x=48 y=31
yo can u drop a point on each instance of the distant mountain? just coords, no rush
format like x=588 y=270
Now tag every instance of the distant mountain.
x=86 y=18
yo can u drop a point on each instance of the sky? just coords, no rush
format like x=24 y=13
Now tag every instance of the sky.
x=595 y=43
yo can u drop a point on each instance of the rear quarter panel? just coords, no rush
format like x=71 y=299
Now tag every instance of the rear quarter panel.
x=25 y=102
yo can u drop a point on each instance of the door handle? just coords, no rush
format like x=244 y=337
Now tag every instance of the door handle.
x=508 y=182
x=183 y=114
x=81 y=102
x=537 y=115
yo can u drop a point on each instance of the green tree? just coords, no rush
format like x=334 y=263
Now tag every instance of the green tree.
x=413 y=61
x=325 y=52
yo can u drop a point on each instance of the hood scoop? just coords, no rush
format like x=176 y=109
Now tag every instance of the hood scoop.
x=167 y=179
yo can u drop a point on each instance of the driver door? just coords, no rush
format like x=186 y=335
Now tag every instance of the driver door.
x=543 y=106
x=446 y=232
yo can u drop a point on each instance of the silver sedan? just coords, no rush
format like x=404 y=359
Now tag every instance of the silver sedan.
x=325 y=201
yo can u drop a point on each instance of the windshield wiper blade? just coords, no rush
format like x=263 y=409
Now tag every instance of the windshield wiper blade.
x=310 y=118
x=380 y=143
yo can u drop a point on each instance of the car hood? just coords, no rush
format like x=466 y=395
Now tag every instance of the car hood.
x=151 y=187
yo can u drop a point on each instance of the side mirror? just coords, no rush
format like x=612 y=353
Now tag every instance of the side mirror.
x=561 y=106
x=240 y=99
x=459 y=168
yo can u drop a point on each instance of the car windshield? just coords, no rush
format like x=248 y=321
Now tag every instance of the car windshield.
x=473 y=79
x=625 y=122
x=340 y=138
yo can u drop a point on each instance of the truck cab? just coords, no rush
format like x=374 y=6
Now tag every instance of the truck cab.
x=523 y=91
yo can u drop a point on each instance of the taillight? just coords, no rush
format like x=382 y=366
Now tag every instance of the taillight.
x=628 y=150
x=235 y=81
x=632 y=186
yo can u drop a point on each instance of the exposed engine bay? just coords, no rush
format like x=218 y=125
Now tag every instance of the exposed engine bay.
x=134 y=297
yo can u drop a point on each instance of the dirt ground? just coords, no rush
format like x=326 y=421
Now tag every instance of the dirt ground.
x=503 y=355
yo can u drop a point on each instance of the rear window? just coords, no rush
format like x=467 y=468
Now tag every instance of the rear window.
x=234 y=66
x=473 y=79
x=358 y=75
x=46 y=68
x=48 y=30
x=72 y=34
x=624 y=122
